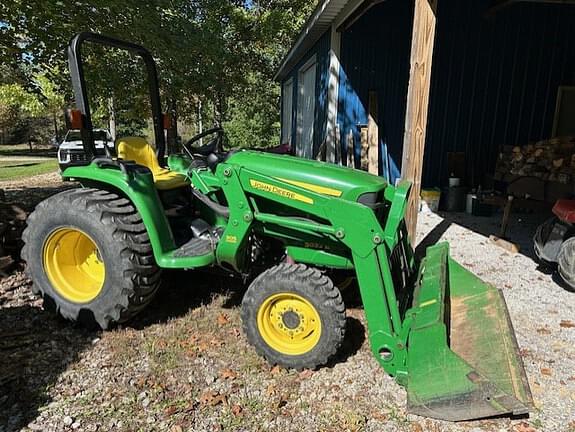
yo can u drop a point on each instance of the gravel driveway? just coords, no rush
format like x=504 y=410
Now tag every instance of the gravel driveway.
x=185 y=365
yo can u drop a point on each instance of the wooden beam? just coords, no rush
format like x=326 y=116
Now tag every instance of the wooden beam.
x=422 y=41
x=364 y=140
x=373 y=135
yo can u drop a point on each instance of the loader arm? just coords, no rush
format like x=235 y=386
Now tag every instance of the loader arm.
x=435 y=327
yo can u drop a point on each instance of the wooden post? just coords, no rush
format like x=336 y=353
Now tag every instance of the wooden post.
x=417 y=105
x=364 y=163
x=350 y=150
x=373 y=135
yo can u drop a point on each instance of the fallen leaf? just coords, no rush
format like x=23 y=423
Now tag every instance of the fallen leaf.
x=567 y=324
x=228 y=374
x=276 y=370
x=305 y=374
x=212 y=398
x=378 y=415
x=416 y=427
x=282 y=402
x=546 y=371
x=271 y=390
x=236 y=410
x=235 y=332
x=171 y=410
x=223 y=319
x=216 y=342
x=523 y=427
x=176 y=428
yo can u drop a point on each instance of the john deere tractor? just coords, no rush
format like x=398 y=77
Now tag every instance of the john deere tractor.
x=96 y=253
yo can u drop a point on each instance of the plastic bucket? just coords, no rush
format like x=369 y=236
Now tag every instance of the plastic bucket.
x=430 y=199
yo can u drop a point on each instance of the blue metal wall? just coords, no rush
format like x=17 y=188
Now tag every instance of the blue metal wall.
x=321 y=51
x=495 y=80
x=375 y=54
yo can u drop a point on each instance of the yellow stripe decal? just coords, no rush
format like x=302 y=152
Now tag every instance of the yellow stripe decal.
x=280 y=191
x=314 y=188
x=428 y=303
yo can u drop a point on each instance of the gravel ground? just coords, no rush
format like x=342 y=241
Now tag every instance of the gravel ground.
x=21 y=187
x=184 y=364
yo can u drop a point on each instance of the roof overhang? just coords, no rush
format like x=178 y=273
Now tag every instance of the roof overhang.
x=326 y=13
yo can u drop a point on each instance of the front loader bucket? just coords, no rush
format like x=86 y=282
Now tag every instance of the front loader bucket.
x=463 y=359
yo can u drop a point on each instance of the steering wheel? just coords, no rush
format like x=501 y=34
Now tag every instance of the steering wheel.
x=214 y=146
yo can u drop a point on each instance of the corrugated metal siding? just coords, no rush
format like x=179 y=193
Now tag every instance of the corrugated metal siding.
x=495 y=80
x=375 y=54
x=321 y=51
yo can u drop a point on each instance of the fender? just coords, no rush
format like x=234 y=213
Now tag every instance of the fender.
x=140 y=190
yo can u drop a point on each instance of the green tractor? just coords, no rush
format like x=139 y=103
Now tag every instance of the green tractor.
x=96 y=254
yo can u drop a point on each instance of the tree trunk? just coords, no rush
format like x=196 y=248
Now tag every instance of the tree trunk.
x=200 y=122
x=56 y=130
x=112 y=118
x=172 y=132
x=219 y=108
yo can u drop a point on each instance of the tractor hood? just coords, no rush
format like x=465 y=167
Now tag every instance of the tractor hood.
x=320 y=177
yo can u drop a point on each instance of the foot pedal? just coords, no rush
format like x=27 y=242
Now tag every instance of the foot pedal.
x=197 y=246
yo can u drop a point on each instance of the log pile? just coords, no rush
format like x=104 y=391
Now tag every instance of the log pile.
x=550 y=160
x=12 y=222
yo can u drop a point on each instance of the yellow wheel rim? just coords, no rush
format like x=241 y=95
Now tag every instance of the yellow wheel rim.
x=73 y=265
x=289 y=324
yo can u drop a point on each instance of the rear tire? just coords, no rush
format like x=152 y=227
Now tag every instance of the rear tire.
x=59 y=232
x=294 y=316
x=540 y=238
x=566 y=263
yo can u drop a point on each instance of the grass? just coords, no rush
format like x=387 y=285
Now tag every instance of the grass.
x=24 y=150
x=21 y=169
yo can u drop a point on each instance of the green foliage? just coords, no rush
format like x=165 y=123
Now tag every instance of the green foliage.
x=253 y=115
x=223 y=53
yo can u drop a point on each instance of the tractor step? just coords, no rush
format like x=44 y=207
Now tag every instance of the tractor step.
x=463 y=359
x=198 y=246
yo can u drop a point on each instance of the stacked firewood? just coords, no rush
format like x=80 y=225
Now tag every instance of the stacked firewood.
x=551 y=160
x=12 y=221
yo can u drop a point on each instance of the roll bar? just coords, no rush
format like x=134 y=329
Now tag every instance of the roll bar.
x=81 y=96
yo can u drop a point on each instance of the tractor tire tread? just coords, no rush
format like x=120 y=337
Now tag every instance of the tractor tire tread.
x=315 y=287
x=137 y=274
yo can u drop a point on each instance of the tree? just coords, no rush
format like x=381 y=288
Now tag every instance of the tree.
x=223 y=53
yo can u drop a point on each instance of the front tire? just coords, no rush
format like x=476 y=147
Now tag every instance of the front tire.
x=89 y=256
x=294 y=316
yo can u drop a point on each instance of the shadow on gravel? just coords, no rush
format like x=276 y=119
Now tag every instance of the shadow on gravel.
x=520 y=230
x=35 y=348
x=29 y=197
x=182 y=291
x=352 y=342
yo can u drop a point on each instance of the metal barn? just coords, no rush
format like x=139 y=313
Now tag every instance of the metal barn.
x=393 y=86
